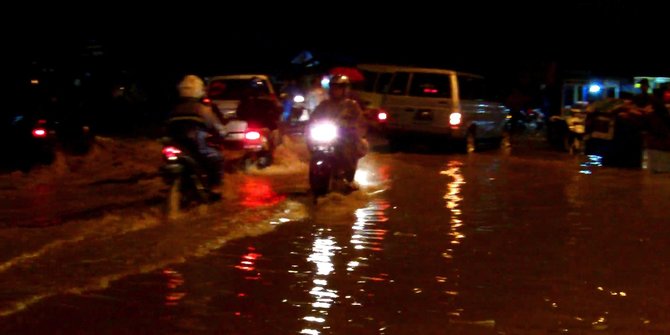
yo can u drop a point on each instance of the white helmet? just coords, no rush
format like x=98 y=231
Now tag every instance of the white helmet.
x=191 y=87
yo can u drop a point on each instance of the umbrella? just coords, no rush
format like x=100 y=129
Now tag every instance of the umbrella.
x=353 y=73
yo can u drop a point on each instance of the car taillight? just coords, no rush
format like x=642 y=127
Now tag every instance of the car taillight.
x=252 y=135
x=171 y=153
x=39 y=132
x=455 y=119
x=382 y=116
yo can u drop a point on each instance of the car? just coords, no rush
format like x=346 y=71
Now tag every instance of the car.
x=226 y=91
x=254 y=142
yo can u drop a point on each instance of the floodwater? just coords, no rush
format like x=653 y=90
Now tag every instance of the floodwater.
x=499 y=242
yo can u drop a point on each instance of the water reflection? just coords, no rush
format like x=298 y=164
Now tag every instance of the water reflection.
x=248 y=264
x=258 y=192
x=371 y=174
x=41 y=202
x=592 y=161
x=365 y=233
x=174 y=281
x=453 y=203
x=366 y=238
x=323 y=250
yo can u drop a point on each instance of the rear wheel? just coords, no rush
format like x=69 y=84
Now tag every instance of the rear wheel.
x=264 y=159
x=174 y=198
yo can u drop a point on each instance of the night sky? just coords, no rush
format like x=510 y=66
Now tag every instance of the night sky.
x=617 y=37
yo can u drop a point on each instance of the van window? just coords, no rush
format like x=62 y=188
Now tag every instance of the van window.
x=369 y=78
x=431 y=85
x=471 y=88
x=399 y=83
x=231 y=88
x=569 y=95
x=383 y=82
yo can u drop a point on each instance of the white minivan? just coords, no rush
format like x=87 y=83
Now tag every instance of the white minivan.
x=445 y=104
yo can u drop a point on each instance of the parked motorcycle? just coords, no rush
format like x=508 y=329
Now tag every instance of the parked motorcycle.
x=528 y=118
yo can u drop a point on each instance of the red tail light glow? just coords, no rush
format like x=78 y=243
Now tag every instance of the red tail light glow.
x=39 y=132
x=252 y=135
x=171 y=153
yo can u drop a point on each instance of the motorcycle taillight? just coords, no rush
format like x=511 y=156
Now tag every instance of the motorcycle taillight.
x=252 y=135
x=39 y=133
x=171 y=153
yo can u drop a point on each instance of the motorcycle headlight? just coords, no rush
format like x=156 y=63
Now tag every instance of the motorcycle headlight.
x=298 y=98
x=323 y=132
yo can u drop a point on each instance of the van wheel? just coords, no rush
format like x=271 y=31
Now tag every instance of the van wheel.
x=504 y=141
x=395 y=143
x=469 y=144
x=576 y=146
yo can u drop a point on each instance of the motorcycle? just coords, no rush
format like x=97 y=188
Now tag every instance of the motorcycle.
x=325 y=167
x=27 y=141
x=296 y=113
x=527 y=118
x=186 y=178
x=256 y=143
x=259 y=145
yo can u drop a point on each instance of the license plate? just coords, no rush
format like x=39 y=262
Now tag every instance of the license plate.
x=423 y=115
x=235 y=137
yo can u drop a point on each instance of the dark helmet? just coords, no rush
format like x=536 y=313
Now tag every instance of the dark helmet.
x=340 y=79
x=257 y=83
x=257 y=87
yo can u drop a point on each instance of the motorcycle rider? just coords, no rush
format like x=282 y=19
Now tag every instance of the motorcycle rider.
x=348 y=115
x=261 y=111
x=315 y=95
x=192 y=123
x=257 y=106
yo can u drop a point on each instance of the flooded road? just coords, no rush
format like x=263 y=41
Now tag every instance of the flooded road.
x=530 y=242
